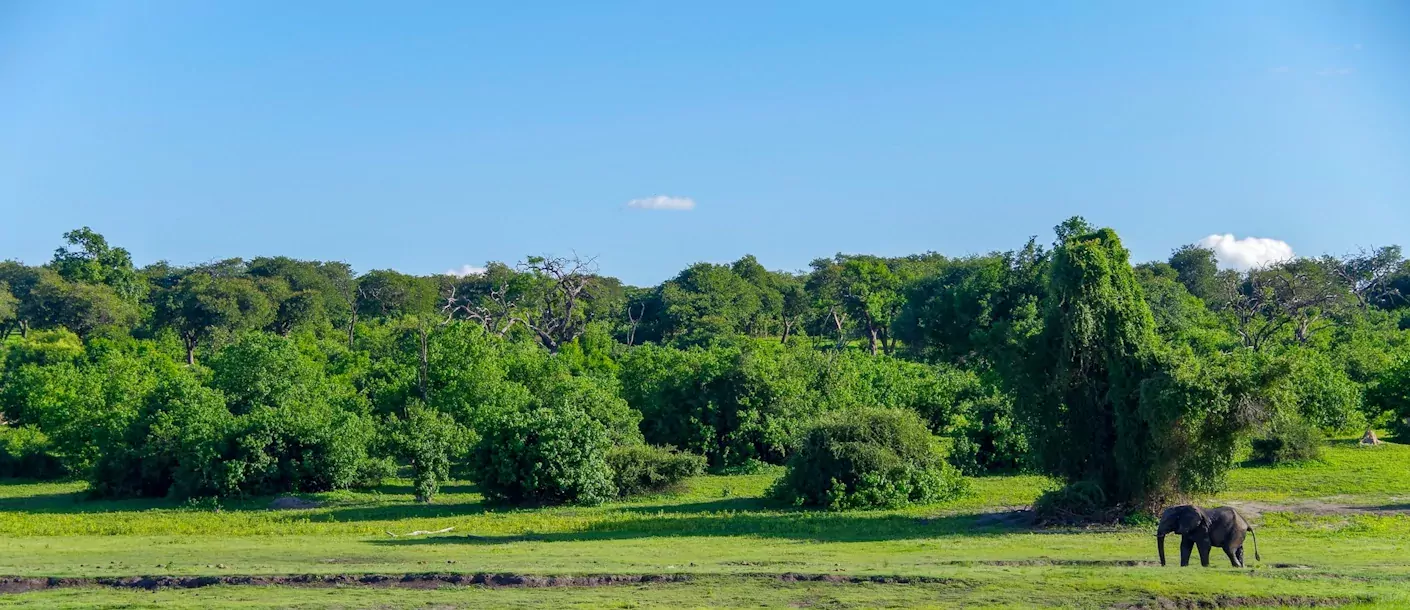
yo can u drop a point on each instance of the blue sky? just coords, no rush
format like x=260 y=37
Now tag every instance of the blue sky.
x=427 y=139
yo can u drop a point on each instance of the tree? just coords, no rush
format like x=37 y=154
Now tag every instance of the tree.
x=1081 y=395
x=20 y=280
x=9 y=311
x=1198 y=270
x=871 y=292
x=89 y=259
x=1294 y=297
x=705 y=302
x=208 y=300
x=82 y=307
x=1369 y=276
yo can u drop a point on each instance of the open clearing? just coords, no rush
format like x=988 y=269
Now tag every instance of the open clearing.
x=1333 y=533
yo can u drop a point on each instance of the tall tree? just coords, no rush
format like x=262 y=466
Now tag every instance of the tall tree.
x=1098 y=344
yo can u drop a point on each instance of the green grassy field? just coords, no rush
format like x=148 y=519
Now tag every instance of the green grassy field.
x=1337 y=531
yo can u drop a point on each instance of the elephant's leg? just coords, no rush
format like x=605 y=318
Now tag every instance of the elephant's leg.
x=1240 y=554
x=1233 y=556
x=1204 y=553
x=1186 y=545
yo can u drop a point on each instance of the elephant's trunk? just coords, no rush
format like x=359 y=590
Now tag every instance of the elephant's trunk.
x=1160 y=546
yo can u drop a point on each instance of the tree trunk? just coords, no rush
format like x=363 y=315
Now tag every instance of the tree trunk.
x=24 y=329
x=352 y=326
x=837 y=321
x=425 y=372
x=190 y=353
x=871 y=339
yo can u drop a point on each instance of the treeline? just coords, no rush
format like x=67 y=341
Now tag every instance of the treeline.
x=1134 y=383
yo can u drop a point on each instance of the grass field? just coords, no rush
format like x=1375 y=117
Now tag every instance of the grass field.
x=1334 y=532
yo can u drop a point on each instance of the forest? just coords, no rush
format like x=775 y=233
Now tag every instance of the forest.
x=878 y=381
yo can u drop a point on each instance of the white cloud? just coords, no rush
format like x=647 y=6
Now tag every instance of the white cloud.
x=1247 y=253
x=1281 y=70
x=1336 y=72
x=662 y=202
x=1357 y=46
x=466 y=271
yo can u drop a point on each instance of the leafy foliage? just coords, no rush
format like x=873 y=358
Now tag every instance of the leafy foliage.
x=640 y=469
x=868 y=458
x=544 y=456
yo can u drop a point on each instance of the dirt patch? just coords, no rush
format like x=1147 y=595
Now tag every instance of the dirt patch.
x=409 y=581
x=1292 y=601
x=293 y=503
x=1254 y=510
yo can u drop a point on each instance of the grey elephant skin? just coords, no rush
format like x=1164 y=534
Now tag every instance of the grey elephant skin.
x=1204 y=528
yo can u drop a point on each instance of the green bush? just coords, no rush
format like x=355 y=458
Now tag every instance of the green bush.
x=25 y=453
x=429 y=440
x=175 y=446
x=868 y=458
x=304 y=450
x=543 y=456
x=1287 y=440
x=638 y=469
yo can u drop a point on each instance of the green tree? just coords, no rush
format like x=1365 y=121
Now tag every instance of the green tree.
x=1198 y=270
x=1082 y=396
x=89 y=259
x=204 y=302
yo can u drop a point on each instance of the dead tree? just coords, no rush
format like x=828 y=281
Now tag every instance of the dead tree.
x=559 y=287
x=634 y=320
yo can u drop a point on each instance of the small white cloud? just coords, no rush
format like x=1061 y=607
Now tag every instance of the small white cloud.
x=466 y=271
x=662 y=202
x=1247 y=253
x=1356 y=46
x=1281 y=70
x=1336 y=72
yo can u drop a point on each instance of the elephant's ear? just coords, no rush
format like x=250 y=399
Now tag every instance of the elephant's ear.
x=1191 y=518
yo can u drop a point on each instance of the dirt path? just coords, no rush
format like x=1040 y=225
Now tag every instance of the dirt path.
x=1255 y=510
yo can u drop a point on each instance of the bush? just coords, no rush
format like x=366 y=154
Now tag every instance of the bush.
x=299 y=450
x=868 y=458
x=175 y=446
x=1287 y=440
x=544 y=456
x=638 y=469
x=428 y=440
x=25 y=453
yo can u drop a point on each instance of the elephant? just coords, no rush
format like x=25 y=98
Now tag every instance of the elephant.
x=1205 y=527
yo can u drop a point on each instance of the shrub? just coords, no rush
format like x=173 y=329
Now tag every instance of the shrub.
x=1287 y=440
x=868 y=458
x=543 y=456
x=428 y=440
x=25 y=453
x=305 y=450
x=638 y=469
x=175 y=446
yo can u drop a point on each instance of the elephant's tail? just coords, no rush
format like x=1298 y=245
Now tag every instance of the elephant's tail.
x=1255 y=543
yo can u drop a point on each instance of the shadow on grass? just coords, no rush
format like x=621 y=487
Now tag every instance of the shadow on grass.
x=408 y=490
x=707 y=519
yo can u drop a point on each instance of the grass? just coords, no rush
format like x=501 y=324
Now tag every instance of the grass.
x=733 y=543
